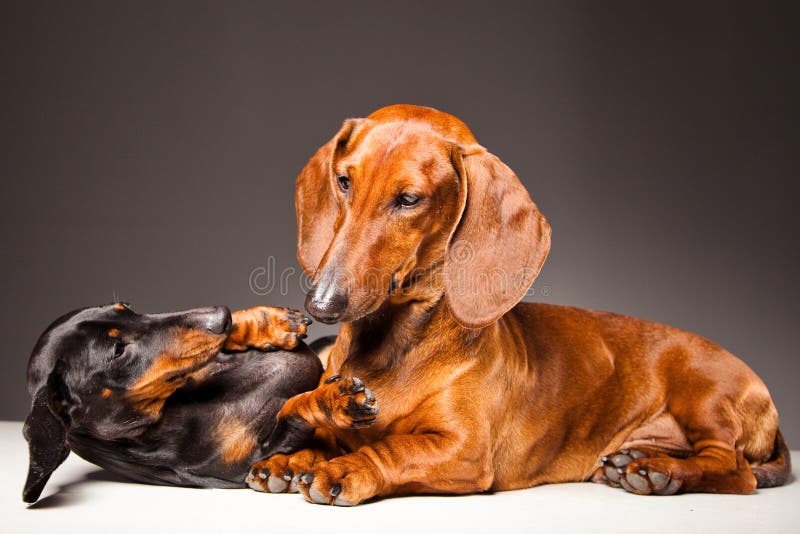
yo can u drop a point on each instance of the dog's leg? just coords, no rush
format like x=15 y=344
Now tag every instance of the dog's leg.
x=426 y=461
x=714 y=469
x=265 y=327
x=281 y=472
x=716 y=464
x=429 y=462
x=337 y=403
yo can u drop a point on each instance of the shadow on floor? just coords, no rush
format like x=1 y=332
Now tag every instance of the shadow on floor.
x=67 y=494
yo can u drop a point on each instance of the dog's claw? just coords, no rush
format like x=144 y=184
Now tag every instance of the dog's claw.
x=358 y=385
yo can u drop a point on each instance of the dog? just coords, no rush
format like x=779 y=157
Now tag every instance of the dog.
x=422 y=244
x=185 y=399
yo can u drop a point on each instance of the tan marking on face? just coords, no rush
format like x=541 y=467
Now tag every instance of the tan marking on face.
x=106 y=393
x=236 y=440
x=114 y=332
x=150 y=392
x=168 y=371
x=119 y=307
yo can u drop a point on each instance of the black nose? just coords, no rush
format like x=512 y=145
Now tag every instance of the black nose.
x=216 y=320
x=326 y=304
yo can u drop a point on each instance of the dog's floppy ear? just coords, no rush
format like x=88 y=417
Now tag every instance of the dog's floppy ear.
x=47 y=443
x=498 y=246
x=316 y=203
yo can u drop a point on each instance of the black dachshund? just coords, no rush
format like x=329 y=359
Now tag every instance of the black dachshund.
x=185 y=399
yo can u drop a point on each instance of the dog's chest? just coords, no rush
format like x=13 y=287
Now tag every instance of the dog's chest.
x=408 y=391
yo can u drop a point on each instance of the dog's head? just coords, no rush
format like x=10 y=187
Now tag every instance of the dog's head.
x=106 y=371
x=406 y=201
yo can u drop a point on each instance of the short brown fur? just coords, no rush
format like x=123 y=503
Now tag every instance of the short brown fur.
x=479 y=392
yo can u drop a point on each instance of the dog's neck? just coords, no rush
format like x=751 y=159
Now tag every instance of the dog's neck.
x=382 y=338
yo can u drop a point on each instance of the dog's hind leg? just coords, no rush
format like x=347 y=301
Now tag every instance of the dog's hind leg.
x=716 y=462
x=711 y=463
x=713 y=470
x=724 y=417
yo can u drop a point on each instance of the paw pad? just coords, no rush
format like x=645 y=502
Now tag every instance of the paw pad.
x=641 y=480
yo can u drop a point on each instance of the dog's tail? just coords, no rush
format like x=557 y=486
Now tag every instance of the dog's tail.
x=322 y=347
x=777 y=470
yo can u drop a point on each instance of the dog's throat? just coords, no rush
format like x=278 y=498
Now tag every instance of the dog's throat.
x=382 y=339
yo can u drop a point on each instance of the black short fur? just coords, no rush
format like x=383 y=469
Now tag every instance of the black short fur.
x=74 y=362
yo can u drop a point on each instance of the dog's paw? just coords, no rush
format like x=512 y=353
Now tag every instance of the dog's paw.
x=352 y=404
x=281 y=472
x=286 y=327
x=343 y=481
x=266 y=328
x=632 y=470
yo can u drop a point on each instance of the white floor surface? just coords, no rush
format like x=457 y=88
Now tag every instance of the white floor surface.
x=83 y=498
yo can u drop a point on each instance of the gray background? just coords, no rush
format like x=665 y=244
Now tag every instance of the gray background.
x=149 y=151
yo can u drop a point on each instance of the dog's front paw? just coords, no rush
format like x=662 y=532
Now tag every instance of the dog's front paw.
x=352 y=404
x=280 y=473
x=286 y=328
x=267 y=328
x=343 y=481
x=636 y=473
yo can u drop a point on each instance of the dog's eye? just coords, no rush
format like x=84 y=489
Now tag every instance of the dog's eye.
x=344 y=182
x=407 y=200
x=119 y=349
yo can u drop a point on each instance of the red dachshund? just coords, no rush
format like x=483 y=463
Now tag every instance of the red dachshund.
x=422 y=244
